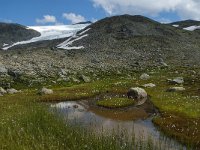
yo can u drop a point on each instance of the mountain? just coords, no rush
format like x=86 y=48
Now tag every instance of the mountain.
x=49 y=33
x=116 y=43
x=129 y=40
x=190 y=25
x=11 y=33
x=85 y=22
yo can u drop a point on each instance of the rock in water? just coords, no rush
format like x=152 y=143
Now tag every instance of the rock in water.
x=176 y=89
x=45 y=91
x=144 y=76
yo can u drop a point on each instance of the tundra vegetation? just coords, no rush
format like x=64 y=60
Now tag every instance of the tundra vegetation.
x=27 y=123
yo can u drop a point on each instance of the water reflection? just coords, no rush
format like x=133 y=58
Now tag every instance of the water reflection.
x=133 y=122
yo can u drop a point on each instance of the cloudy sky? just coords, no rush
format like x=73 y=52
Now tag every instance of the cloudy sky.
x=51 y=12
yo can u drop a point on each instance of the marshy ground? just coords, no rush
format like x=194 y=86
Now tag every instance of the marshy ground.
x=27 y=123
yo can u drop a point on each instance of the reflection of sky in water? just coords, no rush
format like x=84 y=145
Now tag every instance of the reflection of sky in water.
x=141 y=129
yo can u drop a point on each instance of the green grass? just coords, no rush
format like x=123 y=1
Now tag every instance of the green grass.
x=25 y=123
x=115 y=102
x=29 y=125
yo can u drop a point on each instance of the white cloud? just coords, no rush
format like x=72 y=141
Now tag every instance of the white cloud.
x=47 y=19
x=74 y=18
x=184 y=8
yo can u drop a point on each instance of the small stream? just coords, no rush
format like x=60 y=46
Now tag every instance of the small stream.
x=133 y=122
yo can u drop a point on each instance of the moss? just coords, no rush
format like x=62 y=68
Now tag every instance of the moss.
x=116 y=102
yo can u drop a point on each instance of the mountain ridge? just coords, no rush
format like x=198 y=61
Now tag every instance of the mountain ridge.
x=115 y=43
x=12 y=33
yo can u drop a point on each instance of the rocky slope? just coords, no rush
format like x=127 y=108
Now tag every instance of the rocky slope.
x=116 y=43
x=11 y=33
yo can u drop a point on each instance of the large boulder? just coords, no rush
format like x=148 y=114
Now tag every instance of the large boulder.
x=137 y=93
x=45 y=91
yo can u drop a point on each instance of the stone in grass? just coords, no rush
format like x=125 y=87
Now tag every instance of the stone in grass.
x=176 y=89
x=45 y=91
x=2 y=91
x=75 y=80
x=144 y=76
x=85 y=78
x=178 y=80
x=3 y=70
x=149 y=85
x=12 y=91
x=137 y=93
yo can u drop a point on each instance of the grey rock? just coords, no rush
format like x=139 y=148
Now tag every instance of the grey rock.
x=138 y=94
x=2 y=91
x=144 y=76
x=149 y=85
x=12 y=91
x=176 y=89
x=3 y=70
x=164 y=64
x=85 y=78
x=63 y=72
x=75 y=80
x=178 y=80
x=45 y=91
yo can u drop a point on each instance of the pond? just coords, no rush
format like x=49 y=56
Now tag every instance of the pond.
x=133 y=121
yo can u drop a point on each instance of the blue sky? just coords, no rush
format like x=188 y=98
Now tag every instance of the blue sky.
x=47 y=12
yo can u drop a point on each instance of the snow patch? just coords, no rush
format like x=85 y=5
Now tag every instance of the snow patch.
x=67 y=45
x=51 y=33
x=175 y=25
x=4 y=44
x=84 y=31
x=192 y=28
